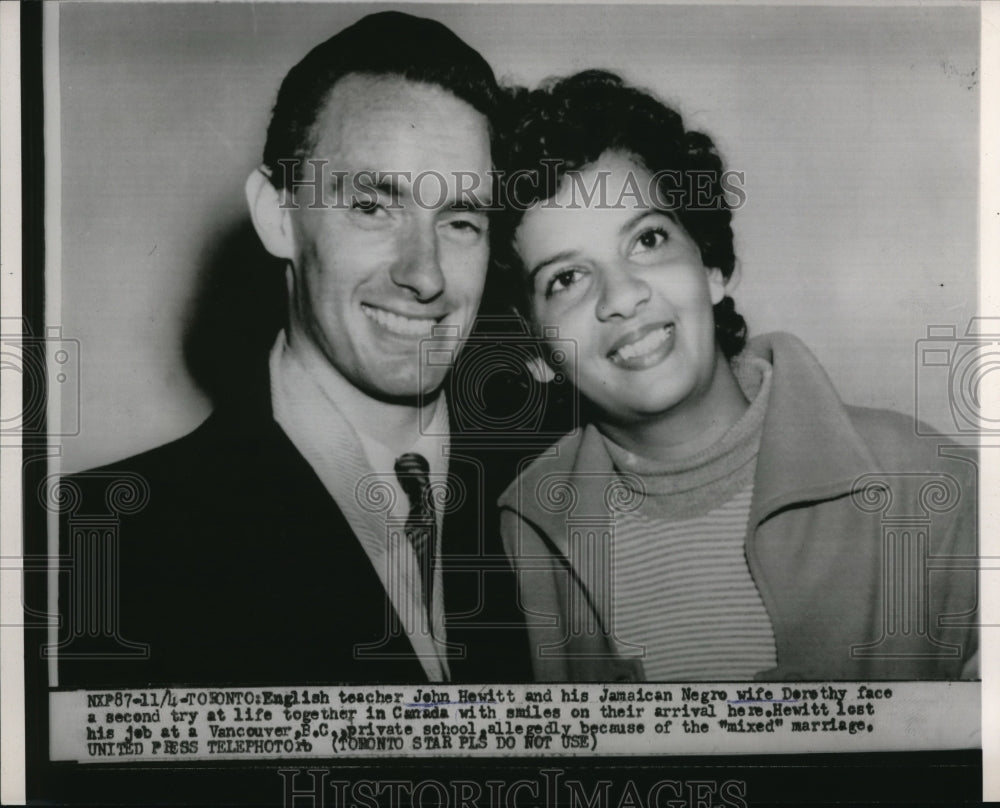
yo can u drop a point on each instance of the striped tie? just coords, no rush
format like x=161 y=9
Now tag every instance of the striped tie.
x=413 y=473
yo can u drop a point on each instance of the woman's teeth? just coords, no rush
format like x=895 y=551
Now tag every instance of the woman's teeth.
x=649 y=343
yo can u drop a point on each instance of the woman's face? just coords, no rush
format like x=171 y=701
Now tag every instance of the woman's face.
x=625 y=283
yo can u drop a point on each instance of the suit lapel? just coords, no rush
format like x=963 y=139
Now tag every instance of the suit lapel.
x=332 y=581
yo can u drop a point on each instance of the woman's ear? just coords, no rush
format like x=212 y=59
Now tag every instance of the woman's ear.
x=719 y=285
x=734 y=277
x=540 y=370
x=270 y=219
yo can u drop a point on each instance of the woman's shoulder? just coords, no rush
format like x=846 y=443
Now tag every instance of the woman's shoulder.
x=900 y=441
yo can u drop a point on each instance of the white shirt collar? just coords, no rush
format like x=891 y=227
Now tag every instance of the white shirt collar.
x=305 y=405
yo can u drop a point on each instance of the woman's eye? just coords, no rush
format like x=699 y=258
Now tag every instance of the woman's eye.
x=650 y=239
x=562 y=281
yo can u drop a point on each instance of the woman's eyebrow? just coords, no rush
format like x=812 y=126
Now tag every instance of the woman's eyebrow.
x=634 y=220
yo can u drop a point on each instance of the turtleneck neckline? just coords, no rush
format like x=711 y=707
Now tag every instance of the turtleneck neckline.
x=692 y=486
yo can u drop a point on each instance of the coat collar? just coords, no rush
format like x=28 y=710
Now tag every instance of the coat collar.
x=809 y=451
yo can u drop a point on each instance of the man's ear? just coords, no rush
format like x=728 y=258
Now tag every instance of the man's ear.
x=719 y=286
x=272 y=222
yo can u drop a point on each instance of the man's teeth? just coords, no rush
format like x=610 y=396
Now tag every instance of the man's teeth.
x=397 y=324
x=650 y=342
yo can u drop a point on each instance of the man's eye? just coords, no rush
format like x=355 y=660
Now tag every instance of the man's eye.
x=650 y=239
x=466 y=225
x=369 y=207
x=562 y=281
x=466 y=230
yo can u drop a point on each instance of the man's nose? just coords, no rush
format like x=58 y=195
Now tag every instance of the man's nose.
x=418 y=267
x=623 y=291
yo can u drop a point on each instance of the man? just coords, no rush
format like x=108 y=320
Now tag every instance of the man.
x=320 y=528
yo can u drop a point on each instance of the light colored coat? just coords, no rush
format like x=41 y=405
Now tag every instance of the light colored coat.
x=862 y=540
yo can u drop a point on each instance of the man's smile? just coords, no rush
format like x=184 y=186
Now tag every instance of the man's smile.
x=399 y=324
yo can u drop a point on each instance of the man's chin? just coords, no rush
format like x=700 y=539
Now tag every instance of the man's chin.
x=412 y=394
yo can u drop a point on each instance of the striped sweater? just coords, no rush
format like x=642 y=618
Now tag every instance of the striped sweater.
x=682 y=587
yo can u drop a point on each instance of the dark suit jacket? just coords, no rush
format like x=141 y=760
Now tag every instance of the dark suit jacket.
x=234 y=565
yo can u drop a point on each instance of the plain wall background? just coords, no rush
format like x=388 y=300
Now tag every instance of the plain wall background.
x=857 y=129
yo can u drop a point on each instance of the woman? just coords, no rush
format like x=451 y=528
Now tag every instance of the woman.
x=718 y=515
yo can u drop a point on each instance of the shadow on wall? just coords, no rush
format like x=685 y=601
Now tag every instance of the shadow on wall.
x=238 y=309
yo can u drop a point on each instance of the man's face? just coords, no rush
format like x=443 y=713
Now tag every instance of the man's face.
x=379 y=267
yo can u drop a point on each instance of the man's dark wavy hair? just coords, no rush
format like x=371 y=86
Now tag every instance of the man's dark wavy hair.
x=388 y=43
x=567 y=124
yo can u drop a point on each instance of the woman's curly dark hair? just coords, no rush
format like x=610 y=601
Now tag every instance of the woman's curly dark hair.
x=567 y=124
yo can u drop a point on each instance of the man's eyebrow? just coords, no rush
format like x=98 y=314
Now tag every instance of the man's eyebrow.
x=552 y=259
x=475 y=205
x=383 y=182
x=387 y=184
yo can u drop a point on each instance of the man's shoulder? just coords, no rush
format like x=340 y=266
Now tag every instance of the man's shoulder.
x=166 y=454
x=183 y=460
x=222 y=460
